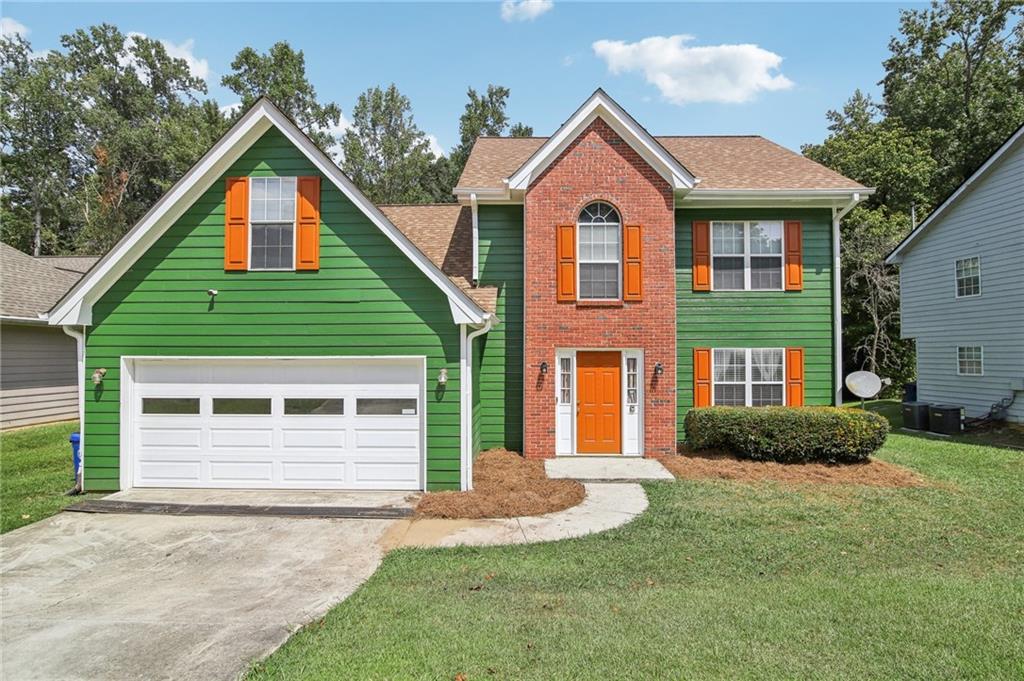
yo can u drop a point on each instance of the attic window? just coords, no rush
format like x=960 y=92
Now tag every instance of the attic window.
x=272 y=223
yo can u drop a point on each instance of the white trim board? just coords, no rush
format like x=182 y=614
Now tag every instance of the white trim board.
x=897 y=254
x=76 y=305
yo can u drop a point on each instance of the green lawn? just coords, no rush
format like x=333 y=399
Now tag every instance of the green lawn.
x=717 y=580
x=35 y=471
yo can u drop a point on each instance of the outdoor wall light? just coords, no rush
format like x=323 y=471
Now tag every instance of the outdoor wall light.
x=543 y=367
x=212 y=292
x=97 y=376
x=442 y=376
x=658 y=369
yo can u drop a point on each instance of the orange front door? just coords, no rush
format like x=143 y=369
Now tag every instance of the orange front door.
x=598 y=403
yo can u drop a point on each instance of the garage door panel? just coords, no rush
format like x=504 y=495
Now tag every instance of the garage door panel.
x=170 y=470
x=162 y=438
x=313 y=438
x=325 y=438
x=238 y=438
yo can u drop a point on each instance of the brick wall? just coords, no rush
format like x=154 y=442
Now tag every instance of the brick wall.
x=599 y=165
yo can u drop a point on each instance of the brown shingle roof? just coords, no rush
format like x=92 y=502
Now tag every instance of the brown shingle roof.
x=30 y=286
x=70 y=263
x=444 y=233
x=747 y=162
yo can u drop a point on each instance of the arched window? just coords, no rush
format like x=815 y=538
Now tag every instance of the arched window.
x=599 y=231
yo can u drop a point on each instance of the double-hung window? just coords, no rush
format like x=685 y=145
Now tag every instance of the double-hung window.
x=968 y=277
x=970 y=360
x=600 y=252
x=746 y=256
x=272 y=223
x=751 y=377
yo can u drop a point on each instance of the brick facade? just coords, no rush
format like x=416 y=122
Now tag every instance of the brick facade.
x=600 y=166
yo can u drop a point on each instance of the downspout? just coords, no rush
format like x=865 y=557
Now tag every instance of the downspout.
x=79 y=337
x=466 y=378
x=837 y=298
x=474 y=209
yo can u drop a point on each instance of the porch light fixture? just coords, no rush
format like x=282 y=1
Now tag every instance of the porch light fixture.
x=212 y=292
x=97 y=376
x=543 y=367
x=442 y=376
x=658 y=369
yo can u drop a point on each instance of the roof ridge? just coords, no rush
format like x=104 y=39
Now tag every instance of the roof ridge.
x=744 y=136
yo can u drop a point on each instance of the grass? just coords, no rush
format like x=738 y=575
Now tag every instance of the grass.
x=35 y=471
x=718 y=580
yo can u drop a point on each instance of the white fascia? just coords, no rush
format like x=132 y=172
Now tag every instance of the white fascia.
x=600 y=105
x=76 y=306
x=770 y=198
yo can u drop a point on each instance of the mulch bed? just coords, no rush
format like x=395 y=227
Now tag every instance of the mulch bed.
x=714 y=464
x=505 y=485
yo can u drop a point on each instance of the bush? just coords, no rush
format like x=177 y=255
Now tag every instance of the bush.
x=788 y=434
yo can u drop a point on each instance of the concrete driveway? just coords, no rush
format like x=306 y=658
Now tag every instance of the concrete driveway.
x=161 y=597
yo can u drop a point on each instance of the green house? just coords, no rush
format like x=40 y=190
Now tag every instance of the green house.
x=266 y=326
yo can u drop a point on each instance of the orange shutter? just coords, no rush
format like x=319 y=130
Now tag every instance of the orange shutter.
x=701 y=256
x=632 y=264
x=794 y=256
x=794 y=377
x=565 y=247
x=236 y=224
x=702 y=377
x=307 y=238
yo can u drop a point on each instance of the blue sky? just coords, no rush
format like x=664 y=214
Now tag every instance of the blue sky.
x=769 y=69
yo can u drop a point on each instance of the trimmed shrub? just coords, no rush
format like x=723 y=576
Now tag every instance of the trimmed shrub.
x=788 y=434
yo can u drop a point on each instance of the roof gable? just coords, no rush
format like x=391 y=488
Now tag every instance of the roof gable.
x=76 y=306
x=1015 y=141
x=600 y=105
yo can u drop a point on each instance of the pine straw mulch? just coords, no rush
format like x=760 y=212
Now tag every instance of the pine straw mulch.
x=691 y=465
x=505 y=485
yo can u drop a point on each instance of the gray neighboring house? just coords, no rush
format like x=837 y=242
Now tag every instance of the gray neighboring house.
x=38 y=362
x=962 y=289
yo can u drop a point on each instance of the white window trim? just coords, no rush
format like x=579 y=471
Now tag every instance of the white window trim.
x=579 y=261
x=295 y=227
x=981 y=359
x=747 y=255
x=748 y=391
x=956 y=279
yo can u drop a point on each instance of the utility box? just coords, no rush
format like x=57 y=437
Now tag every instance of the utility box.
x=945 y=419
x=915 y=415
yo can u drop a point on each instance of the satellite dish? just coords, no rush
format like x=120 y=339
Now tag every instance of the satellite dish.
x=864 y=384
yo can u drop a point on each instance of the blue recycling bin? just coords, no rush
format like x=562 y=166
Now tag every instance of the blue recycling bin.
x=76 y=453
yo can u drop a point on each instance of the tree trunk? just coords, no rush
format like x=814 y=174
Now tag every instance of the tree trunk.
x=37 y=232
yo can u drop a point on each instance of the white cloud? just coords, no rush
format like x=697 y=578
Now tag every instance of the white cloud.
x=524 y=10
x=200 y=68
x=231 y=109
x=684 y=74
x=435 y=147
x=9 y=26
x=568 y=60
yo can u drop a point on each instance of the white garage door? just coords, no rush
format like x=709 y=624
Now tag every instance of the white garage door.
x=276 y=423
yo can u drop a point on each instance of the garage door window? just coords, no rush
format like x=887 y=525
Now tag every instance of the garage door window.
x=385 y=406
x=241 y=406
x=187 y=406
x=313 y=406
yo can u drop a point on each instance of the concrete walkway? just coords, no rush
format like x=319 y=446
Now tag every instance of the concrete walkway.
x=605 y=506
x=606 y=468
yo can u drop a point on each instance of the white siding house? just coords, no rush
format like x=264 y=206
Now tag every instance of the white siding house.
x=962 y=289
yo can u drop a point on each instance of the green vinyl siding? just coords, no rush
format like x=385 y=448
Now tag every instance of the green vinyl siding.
x=366 y=299
x=500 y=352
x=754 y=319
